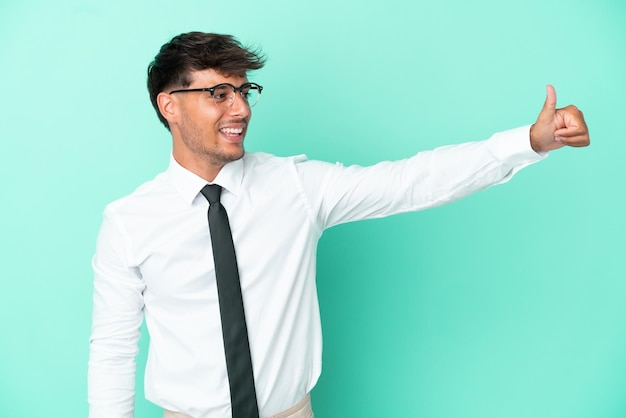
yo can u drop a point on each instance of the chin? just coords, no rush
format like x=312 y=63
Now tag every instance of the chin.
x=234 y=155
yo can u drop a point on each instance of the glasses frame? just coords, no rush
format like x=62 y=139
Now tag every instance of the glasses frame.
x=239 y=89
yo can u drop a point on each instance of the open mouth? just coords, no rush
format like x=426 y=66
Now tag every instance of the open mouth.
x=232 y=132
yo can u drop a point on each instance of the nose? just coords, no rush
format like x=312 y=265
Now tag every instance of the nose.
x=240 y=106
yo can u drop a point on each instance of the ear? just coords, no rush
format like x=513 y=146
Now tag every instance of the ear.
x=167 y=107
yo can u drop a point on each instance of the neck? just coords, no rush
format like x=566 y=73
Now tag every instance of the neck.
x=204 y=169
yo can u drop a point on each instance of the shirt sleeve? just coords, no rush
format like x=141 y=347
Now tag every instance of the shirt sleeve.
x=337 y=194
x=117 y=317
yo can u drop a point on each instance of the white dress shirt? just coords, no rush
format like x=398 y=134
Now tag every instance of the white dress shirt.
x=154 y=259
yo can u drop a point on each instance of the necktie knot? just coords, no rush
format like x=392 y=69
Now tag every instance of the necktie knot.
x=212 y=192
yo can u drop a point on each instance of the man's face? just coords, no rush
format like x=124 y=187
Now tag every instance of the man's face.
x=202 y=131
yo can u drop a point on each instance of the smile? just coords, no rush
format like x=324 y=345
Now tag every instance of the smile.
x=231 y=131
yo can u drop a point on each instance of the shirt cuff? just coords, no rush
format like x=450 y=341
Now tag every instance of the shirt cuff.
x=513 y=146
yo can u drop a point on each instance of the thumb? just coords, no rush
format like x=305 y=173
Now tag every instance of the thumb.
x=549 y=106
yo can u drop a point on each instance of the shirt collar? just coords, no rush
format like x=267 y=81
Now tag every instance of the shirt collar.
x=189 y=184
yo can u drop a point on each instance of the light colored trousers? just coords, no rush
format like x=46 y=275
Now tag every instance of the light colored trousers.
x=300 y=410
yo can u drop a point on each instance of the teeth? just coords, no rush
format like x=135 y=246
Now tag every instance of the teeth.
x=232 y=130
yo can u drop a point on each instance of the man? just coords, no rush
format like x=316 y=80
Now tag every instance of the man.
x=155 y=256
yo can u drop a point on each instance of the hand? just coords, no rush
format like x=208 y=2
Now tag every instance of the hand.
x=556 y=128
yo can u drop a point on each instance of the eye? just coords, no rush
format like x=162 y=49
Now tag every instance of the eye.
x=249 y=92
x=221 y=94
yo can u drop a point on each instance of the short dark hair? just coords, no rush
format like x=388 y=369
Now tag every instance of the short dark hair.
x=195 y=51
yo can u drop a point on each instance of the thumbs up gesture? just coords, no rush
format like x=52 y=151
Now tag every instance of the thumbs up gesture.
x=556 y=128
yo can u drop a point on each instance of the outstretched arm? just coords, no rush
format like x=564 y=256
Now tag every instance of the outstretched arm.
x=556 y=128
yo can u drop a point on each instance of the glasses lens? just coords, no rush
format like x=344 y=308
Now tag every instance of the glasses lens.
x=223 y=96
x=251 y=95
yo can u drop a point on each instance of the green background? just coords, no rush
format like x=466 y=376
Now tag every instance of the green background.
x=510 y=303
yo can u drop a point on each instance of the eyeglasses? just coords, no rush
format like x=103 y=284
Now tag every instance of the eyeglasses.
x=224 y=94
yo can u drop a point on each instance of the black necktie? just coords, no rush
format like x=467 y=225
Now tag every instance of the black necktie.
x=236 y=345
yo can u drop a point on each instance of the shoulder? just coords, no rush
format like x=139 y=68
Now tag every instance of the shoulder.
x=147 y=195
x=262 y=162
x=264 y=158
